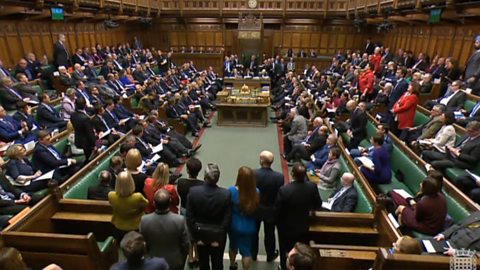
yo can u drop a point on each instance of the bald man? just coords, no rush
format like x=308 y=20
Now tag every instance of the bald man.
x=268 y=182
x=345 y=198
x=358 y=123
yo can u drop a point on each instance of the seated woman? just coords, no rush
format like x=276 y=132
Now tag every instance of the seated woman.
x=330 y=171
x=21 y=171
x=127 y=205
x=381 y=173
x=428 y=214
x=444 y=137
x=160 y=179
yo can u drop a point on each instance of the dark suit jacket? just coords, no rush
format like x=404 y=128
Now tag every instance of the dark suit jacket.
x=16 y=168
x=26 y=90
x=208 y=204
x=99 y=192
x=84 y=133
x=9 y=128
x=268 y=183
x=8 y=99
x=397 y=92
x=469 y=154
x=144 y=151
x=8 y=187
x=48 y=118
x=20 y=116
x=346 y=202
x=457 y=101
x=472 y=68
x=293 y=205
x=358 y=123
x=44 y=160
x=60 y=55
x=461 y=236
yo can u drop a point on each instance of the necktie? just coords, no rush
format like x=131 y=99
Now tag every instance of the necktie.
x=143 y=143
x=54 y=152
x=104 y=123
x=4 y=72
x=29 y=74
x=113 y=116
x=15 y=93
x=339 y=193
x=475 y=110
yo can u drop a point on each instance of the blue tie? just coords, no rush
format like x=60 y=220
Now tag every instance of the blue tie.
x=113 y=116
x=475 y=109
x=15 y=93
x=54 y=152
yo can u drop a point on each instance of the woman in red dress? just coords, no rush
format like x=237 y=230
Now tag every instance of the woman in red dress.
x=405 y=108
x=159 y=180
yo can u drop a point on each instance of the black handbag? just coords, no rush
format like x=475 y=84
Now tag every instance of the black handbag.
x=209 y=233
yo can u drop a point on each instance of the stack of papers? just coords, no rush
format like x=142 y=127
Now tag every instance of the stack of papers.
x=157 y=148
x=45 y=176
x=366 y=162
x=402 y=193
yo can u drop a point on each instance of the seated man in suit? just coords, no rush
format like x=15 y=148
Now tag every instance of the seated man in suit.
x=65 y=77
x=13 y=130
x=145 y=149
x=113 y=120
x=101 y=127
x=473 y=115
x=345 y=198
x=78 y=75
x=12 y=199
x=23 y=68
x=175 y=112
x=48 y=117
x=24 y=114
x=9 y=96
x=454 y=98
x=465 y=154
x=462 y=236
x=313 y=142
x=100 y=191
x=25 y=89
x=320 y=156
x=46 y=158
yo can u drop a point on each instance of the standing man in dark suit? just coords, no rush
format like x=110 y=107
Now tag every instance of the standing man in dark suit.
x=292 y=210
x=345 y=198
x=61 y=57
x=358 y=123
x=369 y=47
x=208 y=217
x=472 y=69
x=268 y=183
x=84 y=132
x=165 y=232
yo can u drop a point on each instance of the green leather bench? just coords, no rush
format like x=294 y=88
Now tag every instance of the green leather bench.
x=80 y=189
x=363 y=204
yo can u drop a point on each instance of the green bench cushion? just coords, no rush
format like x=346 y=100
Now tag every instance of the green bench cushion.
x=80 y=189
x=363 y=204
x=468 y=105
x=420 y=118
x=105 y=245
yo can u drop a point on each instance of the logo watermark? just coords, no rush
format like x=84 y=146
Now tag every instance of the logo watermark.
x=463 y=260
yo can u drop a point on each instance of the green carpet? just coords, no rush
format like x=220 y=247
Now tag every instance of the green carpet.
x=231 y=148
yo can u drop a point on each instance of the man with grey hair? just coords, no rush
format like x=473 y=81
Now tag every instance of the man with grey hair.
x=297 y=133
x=100 y=191
x=208 y=218
x=268 y=183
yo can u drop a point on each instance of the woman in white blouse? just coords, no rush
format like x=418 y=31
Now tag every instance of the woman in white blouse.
x=444 y=137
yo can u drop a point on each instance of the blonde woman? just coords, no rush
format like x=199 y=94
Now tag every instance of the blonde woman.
x=133 y=162
x=127 y=205
x=159 y=180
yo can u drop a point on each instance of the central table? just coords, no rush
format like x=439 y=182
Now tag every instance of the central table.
x=242 y=114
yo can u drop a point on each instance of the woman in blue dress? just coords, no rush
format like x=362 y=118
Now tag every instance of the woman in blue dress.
x=245 y=199
x=381 y=173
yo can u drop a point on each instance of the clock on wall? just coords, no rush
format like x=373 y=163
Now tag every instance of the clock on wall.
x=252 y=3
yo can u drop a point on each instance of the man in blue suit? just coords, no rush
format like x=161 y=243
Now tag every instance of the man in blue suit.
x=13 y=130
x=48 y=117
x=400 y=88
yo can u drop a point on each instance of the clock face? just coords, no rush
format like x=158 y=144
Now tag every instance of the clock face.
x=252 y=3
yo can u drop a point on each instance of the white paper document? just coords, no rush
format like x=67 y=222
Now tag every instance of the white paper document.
x=105 y=133
x=393 y=220
x=474 y=176
x=155 y=158
x=428 y=246
x=366 y=162
x=157 y=148
x=327 y=205
x=29 y=146
x=45 y=176
x=402 y=193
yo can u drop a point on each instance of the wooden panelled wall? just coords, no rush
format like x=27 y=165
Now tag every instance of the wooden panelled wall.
x=19 y=38
x=446 y=40
x=326 y=40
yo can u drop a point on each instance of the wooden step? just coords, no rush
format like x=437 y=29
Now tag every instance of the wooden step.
x=85 y=217
x=337 y=229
